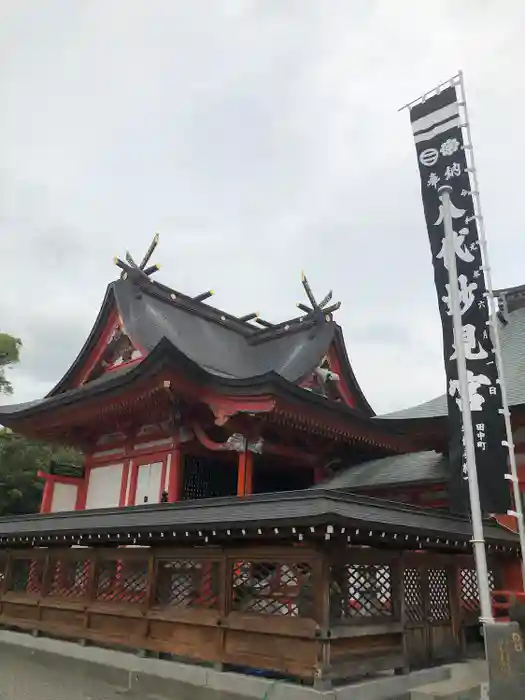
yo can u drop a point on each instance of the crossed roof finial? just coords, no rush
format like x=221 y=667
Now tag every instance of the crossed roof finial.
x=131 y=265
x=316 y=309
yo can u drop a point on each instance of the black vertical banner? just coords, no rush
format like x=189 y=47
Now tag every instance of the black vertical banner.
x=441 y=157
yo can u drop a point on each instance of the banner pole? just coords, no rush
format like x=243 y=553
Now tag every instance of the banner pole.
x=493 y=317
x=478 y=538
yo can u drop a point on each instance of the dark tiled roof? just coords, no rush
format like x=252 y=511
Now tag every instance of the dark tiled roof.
x=221 y=347
x=295 y=508
x=165 y=355
x=512 y=337
x=397 y=470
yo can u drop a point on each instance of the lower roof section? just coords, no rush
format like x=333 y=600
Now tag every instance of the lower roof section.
x=363 y=519
x=398 y=470
x=167 y=368
x=512 y=337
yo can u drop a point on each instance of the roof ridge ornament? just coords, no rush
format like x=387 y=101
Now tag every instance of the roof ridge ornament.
x=130 y=267
x=320 y=310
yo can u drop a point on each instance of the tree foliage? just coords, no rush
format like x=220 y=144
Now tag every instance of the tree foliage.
x=9 y=355
x=20 y=460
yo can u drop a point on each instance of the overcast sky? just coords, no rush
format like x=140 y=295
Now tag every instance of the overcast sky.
x=259 y=137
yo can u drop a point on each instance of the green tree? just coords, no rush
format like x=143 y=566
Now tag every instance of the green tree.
x=9 y=355
x=20 y=460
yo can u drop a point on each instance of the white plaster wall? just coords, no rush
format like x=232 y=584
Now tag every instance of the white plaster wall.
x=154 y=482
x=167 y=475
x=148 y=483
x=64 y=497
x=104 y=486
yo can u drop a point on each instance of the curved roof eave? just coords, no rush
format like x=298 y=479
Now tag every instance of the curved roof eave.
x=108 y=305
x=350 y=377
x=164 y=355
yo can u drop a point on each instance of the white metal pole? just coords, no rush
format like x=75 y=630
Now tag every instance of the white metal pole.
x=478 y=538
x=513 y=476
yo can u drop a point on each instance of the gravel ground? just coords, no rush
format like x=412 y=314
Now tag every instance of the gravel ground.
x=29 y=676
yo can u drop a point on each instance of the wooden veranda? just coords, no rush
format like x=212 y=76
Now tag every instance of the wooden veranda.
x=314 y=585
x=334 y=614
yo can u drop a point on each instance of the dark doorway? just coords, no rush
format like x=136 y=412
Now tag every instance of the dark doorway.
x=206 y=477
x=271 y=475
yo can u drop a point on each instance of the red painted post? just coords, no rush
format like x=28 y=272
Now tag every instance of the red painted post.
x=47 y=496
x=245 y=474
x=175 y=476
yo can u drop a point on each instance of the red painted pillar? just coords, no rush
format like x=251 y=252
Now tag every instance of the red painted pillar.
x=245 y=474
x=175 y=476
x=47 y=496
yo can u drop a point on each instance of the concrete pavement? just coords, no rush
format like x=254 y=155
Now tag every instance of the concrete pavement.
x=25 y=675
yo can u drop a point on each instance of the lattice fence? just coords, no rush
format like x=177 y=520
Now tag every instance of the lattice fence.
x=187 y=583
x=438 y=595
x=69 y=578
x=122 y=581
x=361 y=591
x=469 y=594
x=27 y=575
x=413 y=592
x=205 y=478
x=272 y=588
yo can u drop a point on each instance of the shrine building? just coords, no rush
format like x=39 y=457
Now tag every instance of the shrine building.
x=171 y=399
x=234 y=473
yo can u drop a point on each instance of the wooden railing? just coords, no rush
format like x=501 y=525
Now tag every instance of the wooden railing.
x=277 y=609
x=304 y=612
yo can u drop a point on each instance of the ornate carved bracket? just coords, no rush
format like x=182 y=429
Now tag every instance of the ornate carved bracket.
x=237 y=442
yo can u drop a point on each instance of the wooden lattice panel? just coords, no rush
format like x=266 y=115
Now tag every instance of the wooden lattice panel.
x=183 y=583
x=469 y=593
x=272 y=588
x=438 y=595
x=361 y=591
x=69 y=579
x=413 y=592
x=122 y=581
x=208 y=478
x=26 y=575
